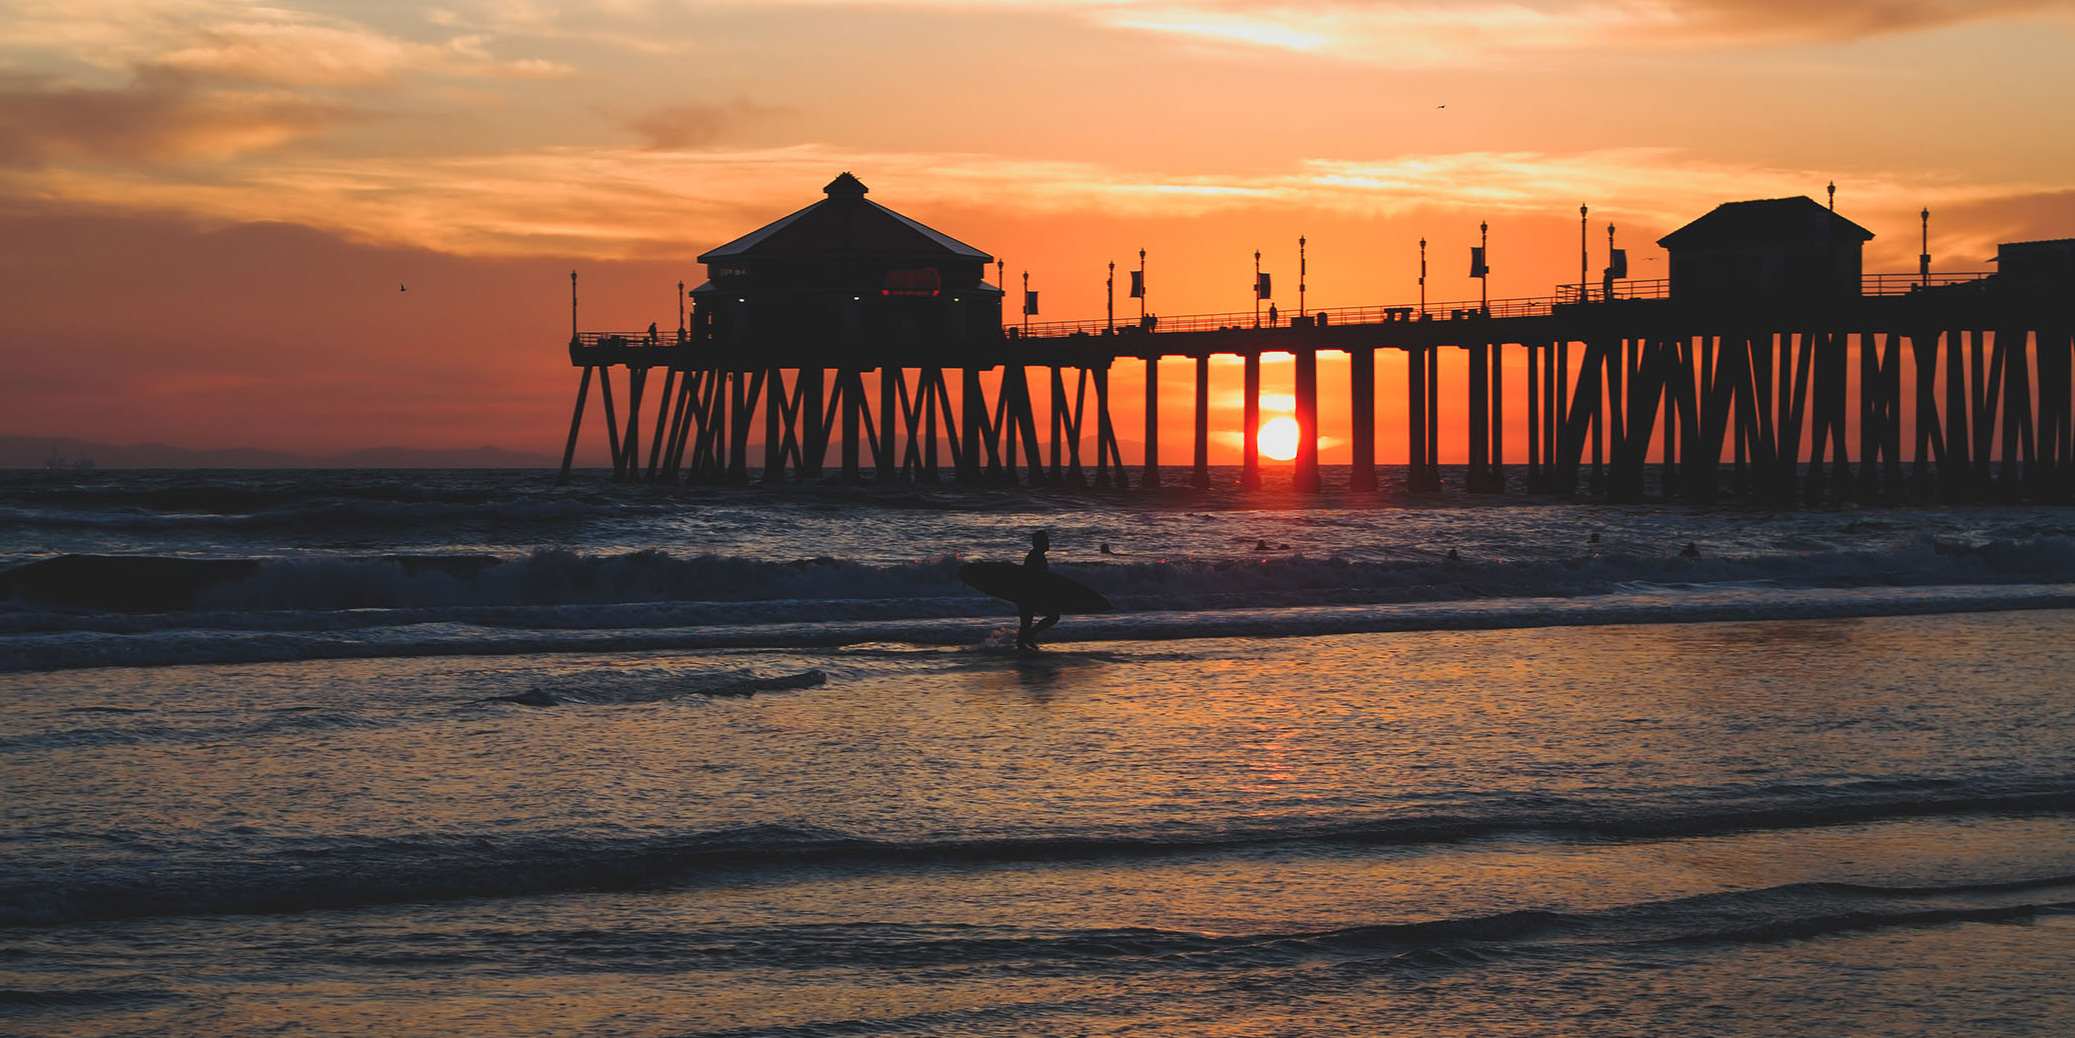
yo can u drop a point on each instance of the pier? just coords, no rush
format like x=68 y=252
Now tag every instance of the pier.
x=1740 y=374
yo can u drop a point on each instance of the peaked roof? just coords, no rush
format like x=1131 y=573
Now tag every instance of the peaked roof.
x=845 y=224
x=1765 y=221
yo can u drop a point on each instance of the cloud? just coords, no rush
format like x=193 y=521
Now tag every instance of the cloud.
x=1428 y=33
x=161 y=115
x=677 y=127
x=217 y=40
x=636 y=202
x=1839 y=20
x=298 y=52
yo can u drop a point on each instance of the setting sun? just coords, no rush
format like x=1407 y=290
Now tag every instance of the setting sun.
x=1279 y=438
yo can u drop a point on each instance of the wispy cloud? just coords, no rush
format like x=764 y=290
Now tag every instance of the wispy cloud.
x=245 y=42
x=691 y=125
x=160 y=116
x=616 y=203
x=1431 y=34
x=304 y=53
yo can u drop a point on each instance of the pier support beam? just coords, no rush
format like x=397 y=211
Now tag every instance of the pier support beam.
x=1433 y=411
x=1534 y=419
x=1106 y=450
x=972 y=414
x=1152 y=476
x=1199 y=476
x=576 y=423
x=1307 y=478
x=1361 y=377
x=1478 y=480
x=1250 y=426
x=1497 y=475
x=1415 y=419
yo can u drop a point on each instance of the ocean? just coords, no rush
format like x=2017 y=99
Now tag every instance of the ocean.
x=464 y=752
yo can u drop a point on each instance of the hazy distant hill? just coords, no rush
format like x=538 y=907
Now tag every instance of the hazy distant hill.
x=32 y=452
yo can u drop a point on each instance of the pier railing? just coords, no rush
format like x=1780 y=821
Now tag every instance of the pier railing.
x=1524 y=306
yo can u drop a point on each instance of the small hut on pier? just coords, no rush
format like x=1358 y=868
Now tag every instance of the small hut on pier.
x=2043 y=268
x=1768 y=250
x=844 y=282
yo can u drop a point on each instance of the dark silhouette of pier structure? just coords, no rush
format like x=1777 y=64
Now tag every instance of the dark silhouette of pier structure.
x=1742 y=358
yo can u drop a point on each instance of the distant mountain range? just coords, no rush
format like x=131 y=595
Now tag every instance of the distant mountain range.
x=35 y=452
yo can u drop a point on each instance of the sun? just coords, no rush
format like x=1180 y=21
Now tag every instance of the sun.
x=1279 y=438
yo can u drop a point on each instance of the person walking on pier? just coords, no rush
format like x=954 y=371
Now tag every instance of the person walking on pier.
x=1026 y=637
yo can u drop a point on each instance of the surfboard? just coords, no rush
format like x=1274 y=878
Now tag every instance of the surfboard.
x=1038 y=592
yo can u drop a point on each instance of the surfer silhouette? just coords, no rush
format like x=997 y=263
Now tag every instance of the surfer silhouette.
x=1026 y=638
x=1034 y=589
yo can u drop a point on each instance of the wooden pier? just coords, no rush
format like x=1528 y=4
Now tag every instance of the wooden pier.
x=1724 y=394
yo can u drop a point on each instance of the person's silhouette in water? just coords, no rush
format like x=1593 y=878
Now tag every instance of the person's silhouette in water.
x=1026 y=638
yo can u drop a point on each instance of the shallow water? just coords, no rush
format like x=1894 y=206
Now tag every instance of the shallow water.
x=1427 y=804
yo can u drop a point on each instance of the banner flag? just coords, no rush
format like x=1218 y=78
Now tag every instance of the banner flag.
x=1264 y=286
x=1138 y=284
x=1477 y=266
x=1030 y=303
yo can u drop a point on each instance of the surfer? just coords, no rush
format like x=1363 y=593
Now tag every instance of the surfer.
x=1026 y=638
x=1036 y=591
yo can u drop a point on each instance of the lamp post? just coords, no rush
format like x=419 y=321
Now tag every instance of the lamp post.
x=1923 y=260
x=680 y=311
x=1484 y=268
x=1257 y=288
x=1608 y=291
x=1300 y=275
x=1422 y=277
x=1584 y=265
x=1026 y=304
x=1109 y=288
x=1141 y=288
x=572 y=307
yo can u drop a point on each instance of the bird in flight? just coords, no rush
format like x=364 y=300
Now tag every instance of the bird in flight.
x=399 y=288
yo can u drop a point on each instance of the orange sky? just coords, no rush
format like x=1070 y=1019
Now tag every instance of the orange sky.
x=206 y=207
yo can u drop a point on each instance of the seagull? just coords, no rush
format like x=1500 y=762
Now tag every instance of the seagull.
x=1440 y=106
x=399 y=288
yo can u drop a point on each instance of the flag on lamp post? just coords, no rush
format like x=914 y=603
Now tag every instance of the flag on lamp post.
x=1029 y=303
x=1264 y=286
x=1478 y=268
x=1138 y=284
x=1617 y=262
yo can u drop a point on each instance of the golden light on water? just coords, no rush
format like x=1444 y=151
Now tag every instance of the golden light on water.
x=1279 y=438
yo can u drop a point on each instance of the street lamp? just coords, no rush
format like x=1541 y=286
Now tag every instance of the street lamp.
x=1257 y=288
x=1483 y=268
x=1109 y=288
x=1422 y=278
x=1923 y=260
x=1584 y=265
x=1608 y=291
x=1300 y=276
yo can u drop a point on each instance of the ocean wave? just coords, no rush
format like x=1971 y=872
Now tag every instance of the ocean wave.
x=56 y=591
x=966 y=621
x=300 y=875
x=598 y=686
